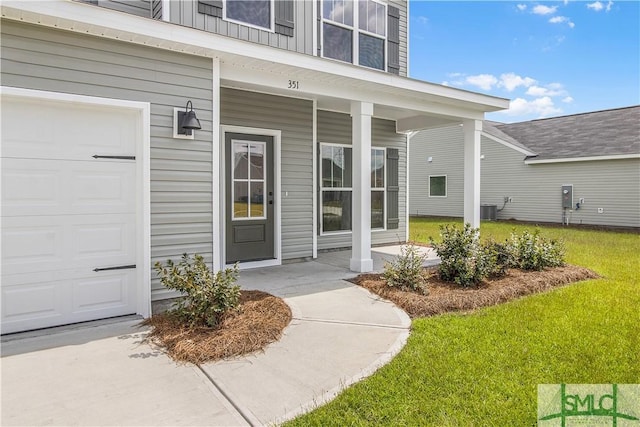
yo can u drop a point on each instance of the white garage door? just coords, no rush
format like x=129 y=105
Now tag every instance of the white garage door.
x=68 y=218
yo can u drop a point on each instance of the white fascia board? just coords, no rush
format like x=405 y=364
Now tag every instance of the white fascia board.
x=583 y=159
x=101 y=22
x=509 y=145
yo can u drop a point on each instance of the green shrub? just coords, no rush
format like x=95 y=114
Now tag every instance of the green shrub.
x=530 y=251
x=463 y=260
x=499 y=257
x=207 y=296
x=406 y=271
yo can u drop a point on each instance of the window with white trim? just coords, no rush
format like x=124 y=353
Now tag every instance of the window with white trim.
x=336 y=188
x=255 y=13
x=249 y=180
x=355 y=34
x=437 y=186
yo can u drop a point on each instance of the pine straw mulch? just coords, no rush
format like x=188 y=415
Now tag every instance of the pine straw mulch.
x=258 y=321
x=444 y=297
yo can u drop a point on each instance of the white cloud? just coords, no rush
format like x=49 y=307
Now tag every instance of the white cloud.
x=550 y=90
x=571 y=25
x=596 y=5
x=539 y=107
x=567 y=100
x=483 y=81
x=511 y=81
x=562 y=19
x=544 y=10
x=609 y=6
x=522 y=7
x=422 y=20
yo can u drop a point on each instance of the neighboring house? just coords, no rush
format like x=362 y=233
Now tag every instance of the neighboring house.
x=304 y=110
x=526 y=166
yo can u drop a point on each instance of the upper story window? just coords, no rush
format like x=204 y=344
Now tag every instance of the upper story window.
x=355 y=34
x=256 y=13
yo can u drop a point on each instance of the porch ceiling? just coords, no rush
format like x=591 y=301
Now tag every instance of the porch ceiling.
x=413 y=104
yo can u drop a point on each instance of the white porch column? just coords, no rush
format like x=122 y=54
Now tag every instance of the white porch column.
x=217 y=210
x=361 y=113
x=472 y=129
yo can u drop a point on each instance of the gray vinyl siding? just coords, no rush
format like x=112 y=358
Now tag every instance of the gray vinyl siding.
x=134 y=7
x=613 y=185
x=294 y=118
x=186 y=13
x=336 y=128
x=181 y=171
x=402 y=6
x=445 y=147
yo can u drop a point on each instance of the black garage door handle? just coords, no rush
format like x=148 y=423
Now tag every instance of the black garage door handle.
x=120 y=267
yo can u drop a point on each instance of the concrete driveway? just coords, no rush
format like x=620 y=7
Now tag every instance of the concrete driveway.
x=107 y=375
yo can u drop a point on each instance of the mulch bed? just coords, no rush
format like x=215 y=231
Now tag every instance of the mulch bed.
x=258 y=321
x=444 y=297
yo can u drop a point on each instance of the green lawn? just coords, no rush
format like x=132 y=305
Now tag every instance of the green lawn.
x=482 y=369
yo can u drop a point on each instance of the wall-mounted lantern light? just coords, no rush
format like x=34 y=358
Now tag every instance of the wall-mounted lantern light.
x=188 y=120
x=185 y=122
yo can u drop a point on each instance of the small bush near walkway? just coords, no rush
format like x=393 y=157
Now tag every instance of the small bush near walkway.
x=207 y=296
x=406 y=271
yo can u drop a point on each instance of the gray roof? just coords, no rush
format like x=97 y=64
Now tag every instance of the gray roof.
x=599 y=133
x=491 y=128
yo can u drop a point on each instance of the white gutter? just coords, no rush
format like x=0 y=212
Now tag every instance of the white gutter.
x=582 y=159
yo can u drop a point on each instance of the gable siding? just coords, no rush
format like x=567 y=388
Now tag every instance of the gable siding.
x=186 y=13
x=181 y=171
x=336 y=128
x=445 y=146
x=294 y=117
x=404 y=46
x=613 y=185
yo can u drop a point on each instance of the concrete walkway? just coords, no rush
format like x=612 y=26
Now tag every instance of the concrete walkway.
x=106 y=375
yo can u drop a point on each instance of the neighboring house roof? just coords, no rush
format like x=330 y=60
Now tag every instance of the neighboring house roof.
x=491 y=130
x=589 y=135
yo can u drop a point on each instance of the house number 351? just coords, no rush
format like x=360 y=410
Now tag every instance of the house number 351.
x=294 y=84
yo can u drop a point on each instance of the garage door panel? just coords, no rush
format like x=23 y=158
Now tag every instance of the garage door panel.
x=53 y=243
x=47 y=187
x=68 y=296
x=66 y=213
x=70 y=131
x=106 y=292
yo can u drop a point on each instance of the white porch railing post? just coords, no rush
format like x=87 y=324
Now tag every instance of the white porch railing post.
x=361 y=260
x=472 y=129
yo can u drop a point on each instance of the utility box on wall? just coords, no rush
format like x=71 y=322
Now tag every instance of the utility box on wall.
x=567 y=196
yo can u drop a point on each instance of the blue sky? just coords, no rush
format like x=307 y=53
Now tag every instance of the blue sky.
x=550 y=58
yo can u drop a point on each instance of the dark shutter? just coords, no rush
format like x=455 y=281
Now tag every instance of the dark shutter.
x=210 y=7
x=393 y=188
x=156 y=9
x=284 y=17
x=318 y=27
x=393 y=39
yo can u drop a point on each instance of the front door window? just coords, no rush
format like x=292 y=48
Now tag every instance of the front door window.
x=249 y=180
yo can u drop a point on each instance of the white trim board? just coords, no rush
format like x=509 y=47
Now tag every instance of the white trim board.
x=143 y=177
x=583 y=159
x=277 y=164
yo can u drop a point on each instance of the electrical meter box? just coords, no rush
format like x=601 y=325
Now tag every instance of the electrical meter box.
x=567 y=196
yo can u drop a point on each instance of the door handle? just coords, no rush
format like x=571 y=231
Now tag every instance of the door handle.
x=120 y=267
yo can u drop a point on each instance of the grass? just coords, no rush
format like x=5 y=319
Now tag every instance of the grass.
x=483 y=368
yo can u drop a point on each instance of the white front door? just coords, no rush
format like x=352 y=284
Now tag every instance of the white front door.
x=68 y=213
